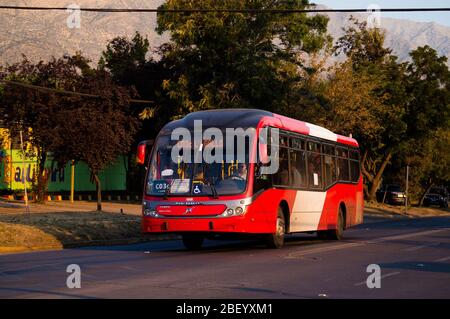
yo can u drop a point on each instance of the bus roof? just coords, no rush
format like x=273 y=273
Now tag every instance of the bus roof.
x=245 y=118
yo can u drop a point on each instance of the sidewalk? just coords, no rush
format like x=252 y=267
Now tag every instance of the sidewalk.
x=67 y=206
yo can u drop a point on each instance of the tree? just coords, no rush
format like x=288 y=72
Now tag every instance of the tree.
x=223 y=59
x=127 y=62
x=130 y=65
x=414 y=97
x=92 y=130
x=369 y=59
x=31 y=111
x=124 y=58
x=428 y=85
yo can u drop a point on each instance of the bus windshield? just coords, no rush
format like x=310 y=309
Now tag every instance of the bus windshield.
x=226 y=174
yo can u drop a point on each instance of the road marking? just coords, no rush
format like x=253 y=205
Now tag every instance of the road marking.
x=362 y=243
x=382 y=277
x=414 y=248
x=428 y=232
x=442 y=259
x=322 y=249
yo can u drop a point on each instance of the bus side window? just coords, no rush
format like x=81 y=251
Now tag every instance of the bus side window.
x=315 y=170
x=298 y=168
x=354 y=166
x=343 y=164
x=329 y=163
x=281 y=178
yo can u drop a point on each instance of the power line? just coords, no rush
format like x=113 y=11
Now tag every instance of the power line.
x=250 y=11
x=50 y=90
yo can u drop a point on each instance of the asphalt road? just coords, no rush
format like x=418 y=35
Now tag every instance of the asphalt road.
x=414 y=256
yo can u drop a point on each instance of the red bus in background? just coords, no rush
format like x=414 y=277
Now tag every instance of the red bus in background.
x=318 y=186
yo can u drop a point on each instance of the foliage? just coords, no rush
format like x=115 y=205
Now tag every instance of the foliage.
x=226 y=60
x=95 y=131
x=72 y=127
x=30 y=111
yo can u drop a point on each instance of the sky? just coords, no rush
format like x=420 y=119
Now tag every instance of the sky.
x=439 y=17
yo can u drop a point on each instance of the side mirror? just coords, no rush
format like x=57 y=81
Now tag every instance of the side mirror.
x=142 y=151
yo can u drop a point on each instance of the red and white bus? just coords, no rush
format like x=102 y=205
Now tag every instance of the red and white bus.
x=318 y=186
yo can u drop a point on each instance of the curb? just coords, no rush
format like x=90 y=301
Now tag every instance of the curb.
x=24 y=249
x=121 y=242
x=93 y=243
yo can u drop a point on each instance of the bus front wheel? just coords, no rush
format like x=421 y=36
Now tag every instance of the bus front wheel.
x=192 y=241
x=276 y=240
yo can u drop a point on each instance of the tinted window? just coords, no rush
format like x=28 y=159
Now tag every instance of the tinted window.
x=315 y=170
x=284 y=141
x=343 y=170
x=298 y=169
x=354 y=155
x=281 y=178
x=354 y=171
x=297 y=143
x=330 y=176
x=341 y=152
x=328 y=149
x=314 y=147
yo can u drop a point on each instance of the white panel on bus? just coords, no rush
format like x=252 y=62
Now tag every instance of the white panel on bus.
x=321 y=132
x=307 y=211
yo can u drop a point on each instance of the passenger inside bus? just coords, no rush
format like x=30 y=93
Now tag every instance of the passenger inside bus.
x=315 y=170
x=240 y=173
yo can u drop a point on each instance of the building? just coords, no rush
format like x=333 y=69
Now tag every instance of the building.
x=13 y=172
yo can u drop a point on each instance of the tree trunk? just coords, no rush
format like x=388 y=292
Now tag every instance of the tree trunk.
x=377 y=179
x=99 y=192
x=41 y=187
x=422 y=198
x=366 y=191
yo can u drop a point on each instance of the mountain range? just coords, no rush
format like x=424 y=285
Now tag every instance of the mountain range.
x=42 y=34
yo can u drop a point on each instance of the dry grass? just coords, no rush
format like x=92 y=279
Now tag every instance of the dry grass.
x=400 y=210
x=15 y=238
x=58 y=225
x=74 y=227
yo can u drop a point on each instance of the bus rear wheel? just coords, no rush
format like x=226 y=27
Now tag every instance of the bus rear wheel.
x=276 y=240
x=193 y=241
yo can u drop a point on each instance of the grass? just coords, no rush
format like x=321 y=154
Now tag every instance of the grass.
x=17 y=238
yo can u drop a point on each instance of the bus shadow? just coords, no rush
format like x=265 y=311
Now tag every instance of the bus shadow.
x=217 y=246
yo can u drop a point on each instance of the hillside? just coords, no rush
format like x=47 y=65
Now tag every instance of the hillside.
x=39 y=35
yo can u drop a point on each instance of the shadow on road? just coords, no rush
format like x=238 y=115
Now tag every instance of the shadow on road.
x=419 y=266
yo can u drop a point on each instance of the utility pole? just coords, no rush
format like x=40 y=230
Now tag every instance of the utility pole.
x=72 y=181
x=23 y=173
x=407 y=189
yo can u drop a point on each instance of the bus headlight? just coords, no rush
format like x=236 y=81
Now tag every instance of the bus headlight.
x=150 y=213
x=229 y=212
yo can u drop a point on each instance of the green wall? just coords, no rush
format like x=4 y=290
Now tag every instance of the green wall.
x=113 y=178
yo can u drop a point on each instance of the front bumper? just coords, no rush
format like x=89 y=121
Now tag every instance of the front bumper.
x=241 y=224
